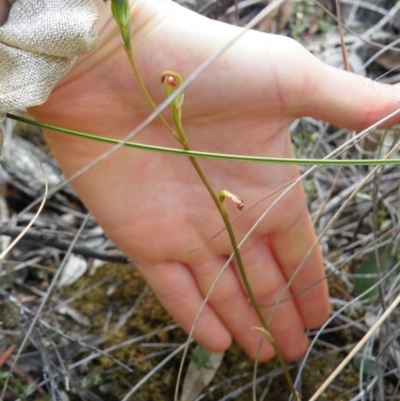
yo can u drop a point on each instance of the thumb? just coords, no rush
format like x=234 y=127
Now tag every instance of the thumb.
x=349 y=100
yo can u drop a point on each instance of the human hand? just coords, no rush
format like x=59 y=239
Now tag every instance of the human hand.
x=154 y=207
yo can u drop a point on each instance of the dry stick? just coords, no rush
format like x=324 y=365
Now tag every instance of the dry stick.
x=342 y=44
x=376 y=199
x=356 y=348
x=120 y=345
x=390 y=46
x=330 y=192
x=37 y=342
x=386 y=19
x=214 y=8
x=97 y=351
x=356 y=254
x=354 y=33
x=49 y=240
x=380 y=24
x=23 y=309
x=62 y=369
x=154 y=370
x=338 y=312
x=30 y=224
x=347 y=68
x=3 y=254
x=42 y=304
x=6 y=354
x=236 y=11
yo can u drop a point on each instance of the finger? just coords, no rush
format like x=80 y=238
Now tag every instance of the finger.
x=346 y=99
x=232 y=305
x=309 y=287
x=267 y=283
x=175 y=287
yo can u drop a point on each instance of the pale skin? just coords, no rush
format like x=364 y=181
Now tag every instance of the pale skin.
x=154 y=206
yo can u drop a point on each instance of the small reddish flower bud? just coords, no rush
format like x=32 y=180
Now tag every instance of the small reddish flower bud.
x=173 y=81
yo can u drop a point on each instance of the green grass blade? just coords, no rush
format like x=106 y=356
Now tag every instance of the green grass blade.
x=208 y=155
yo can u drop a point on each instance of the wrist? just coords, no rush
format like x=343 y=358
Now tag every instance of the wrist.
x=4 y=10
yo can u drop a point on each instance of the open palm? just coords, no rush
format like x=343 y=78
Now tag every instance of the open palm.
x=154 y=206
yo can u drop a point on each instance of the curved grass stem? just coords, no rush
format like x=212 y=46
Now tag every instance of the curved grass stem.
x=209 y=155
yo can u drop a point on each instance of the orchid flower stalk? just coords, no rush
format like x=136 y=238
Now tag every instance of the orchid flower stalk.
x=173 y=81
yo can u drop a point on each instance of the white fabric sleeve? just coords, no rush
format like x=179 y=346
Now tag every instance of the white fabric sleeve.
x=38 y=45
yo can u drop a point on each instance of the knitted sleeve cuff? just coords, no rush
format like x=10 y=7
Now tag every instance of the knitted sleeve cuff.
x=38 y=45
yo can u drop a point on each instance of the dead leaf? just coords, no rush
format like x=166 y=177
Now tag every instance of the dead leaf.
x=75 y=267
x=196 y=379
x=389 y=60
x=74 y=314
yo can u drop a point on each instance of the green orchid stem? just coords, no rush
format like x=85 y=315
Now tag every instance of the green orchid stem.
x=271 y=339
x=144 y=91
x=176 y=115
x=205 y=181
x=225 y=215
x=221 y=206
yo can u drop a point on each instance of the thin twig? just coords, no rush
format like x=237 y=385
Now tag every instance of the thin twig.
x=53 y=241
x=354 y=351
x=42 y=304
x=341 y=35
